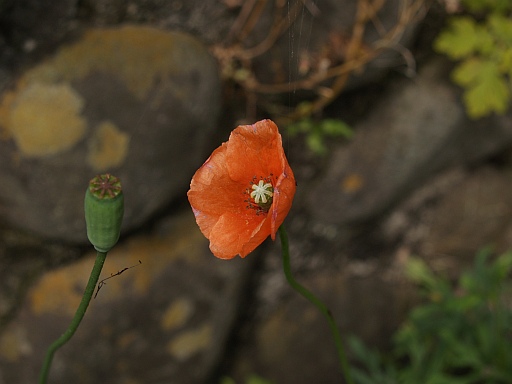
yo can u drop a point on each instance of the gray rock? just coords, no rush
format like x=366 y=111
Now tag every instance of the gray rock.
x=461 y=213
x=134 y=101
x=164 y=321
x=31 y=28
x=417 y=130
x=292 y=342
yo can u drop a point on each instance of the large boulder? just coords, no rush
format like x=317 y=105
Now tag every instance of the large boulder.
x=417 y=130
x=167 y=320
x=134 y=101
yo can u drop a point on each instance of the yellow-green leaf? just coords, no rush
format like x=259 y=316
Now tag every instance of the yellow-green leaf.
x=492 y=5
x=501 y=28
x=489 y=92
x=463 y=38
x=467 y=72
x=505 y=61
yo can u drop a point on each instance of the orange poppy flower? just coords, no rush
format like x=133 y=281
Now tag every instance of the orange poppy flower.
x=243 y=192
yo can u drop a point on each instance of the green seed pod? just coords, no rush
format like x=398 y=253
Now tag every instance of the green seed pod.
x=104 y=209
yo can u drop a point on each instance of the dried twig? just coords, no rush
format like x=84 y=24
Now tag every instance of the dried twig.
x=236 y=60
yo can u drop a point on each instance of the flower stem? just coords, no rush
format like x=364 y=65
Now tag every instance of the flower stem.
x=345 y=368
x=75 y=322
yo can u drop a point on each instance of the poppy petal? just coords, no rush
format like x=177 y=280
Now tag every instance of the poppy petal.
x=211 y=188
x=283 y=197
x=232 y=236
x=257 y=149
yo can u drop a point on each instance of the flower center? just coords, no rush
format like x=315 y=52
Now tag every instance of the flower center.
x=261 y=195
x=262 y=192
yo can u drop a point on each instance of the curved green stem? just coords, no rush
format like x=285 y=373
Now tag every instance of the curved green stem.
x=345 y=368
x=79 y=314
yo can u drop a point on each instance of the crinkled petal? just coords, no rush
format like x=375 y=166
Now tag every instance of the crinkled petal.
x=255 y=151
x=211 y=188
x=283 y=198
x=233 y=235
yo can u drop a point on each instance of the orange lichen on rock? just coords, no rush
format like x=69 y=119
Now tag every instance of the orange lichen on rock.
x=177 y=314
x=38 y=127
x=244 y=190
x=120 y=52
x=44 y=113
x=108 y=147
x=60 y=291
x=187 y=344
x=352 y=183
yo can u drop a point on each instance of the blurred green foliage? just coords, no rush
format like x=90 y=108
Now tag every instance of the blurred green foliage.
x=252 y=379
x=317 y=132
x=484 y=51
x=462 y=334
x=484 y=5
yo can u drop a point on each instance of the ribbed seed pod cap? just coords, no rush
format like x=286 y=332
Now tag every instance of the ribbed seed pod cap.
x=104 y=209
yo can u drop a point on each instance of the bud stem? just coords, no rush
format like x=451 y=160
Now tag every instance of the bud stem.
x=75 y=322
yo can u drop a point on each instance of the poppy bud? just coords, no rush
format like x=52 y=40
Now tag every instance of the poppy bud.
x=104 y=209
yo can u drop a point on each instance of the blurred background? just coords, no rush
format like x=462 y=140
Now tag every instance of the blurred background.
x=395 y=117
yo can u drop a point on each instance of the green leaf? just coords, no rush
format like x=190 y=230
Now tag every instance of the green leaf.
x=463 y=38
x=301 y=126
x=418 y=272
x=227 y=380
x=254 y=379
x=501 y=28
x=315 y=143
x=334 y=127
x=504 y=265
x=505 y=61
x=467 y=72
x=491 y=5
x=488 y=92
